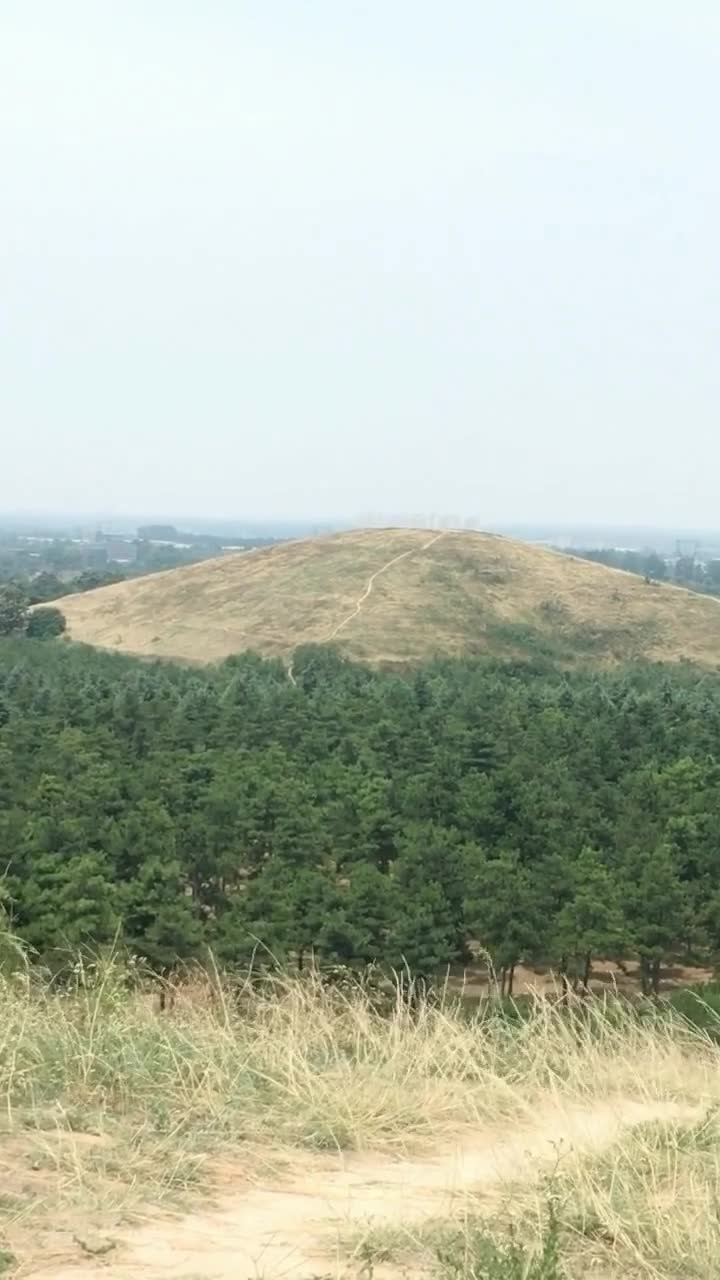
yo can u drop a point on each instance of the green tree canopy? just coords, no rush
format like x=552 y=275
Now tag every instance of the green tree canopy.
x=45 y=624
x=13 y=610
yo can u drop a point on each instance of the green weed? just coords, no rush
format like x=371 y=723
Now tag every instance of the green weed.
x=477 y=1255
x=8 y=1261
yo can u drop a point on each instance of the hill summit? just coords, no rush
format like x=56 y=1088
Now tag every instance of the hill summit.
x=389 y=596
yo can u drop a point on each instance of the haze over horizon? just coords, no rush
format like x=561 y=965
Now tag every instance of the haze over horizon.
x=308 y=261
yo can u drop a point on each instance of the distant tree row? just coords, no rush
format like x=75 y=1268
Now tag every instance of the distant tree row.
x=684 y=570
x=46 y=569
x=359 y=817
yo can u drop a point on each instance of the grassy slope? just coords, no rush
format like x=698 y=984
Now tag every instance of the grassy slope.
x=109 y=1108
x=466 y=593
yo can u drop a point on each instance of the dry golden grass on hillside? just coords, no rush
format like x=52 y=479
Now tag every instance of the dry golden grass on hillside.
x=396 y=596
x=303 y=1131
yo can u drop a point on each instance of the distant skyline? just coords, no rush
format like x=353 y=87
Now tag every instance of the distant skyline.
x=572 y=533
x=306 y=261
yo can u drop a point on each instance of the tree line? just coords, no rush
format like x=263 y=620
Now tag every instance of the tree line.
x=683 y=570
x=357 y=816
x=46 y=568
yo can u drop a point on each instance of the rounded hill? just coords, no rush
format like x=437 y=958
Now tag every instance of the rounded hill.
x=390 y=596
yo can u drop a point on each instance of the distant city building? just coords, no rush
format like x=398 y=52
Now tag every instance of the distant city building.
x=96 y=556
x=110 y=548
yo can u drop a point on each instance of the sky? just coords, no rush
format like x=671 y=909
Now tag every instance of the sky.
x=313 y=258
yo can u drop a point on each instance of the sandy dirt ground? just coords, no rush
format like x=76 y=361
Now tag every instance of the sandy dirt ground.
x=475 y=981
x=295 y=1227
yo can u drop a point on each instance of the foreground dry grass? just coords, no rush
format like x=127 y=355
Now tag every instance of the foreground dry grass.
x=453 y=593
x=422 y=1125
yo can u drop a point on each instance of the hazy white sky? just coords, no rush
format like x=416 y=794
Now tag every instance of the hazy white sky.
x=318 y=257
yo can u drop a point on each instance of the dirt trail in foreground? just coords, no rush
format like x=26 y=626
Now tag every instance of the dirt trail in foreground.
x=293 y=1230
